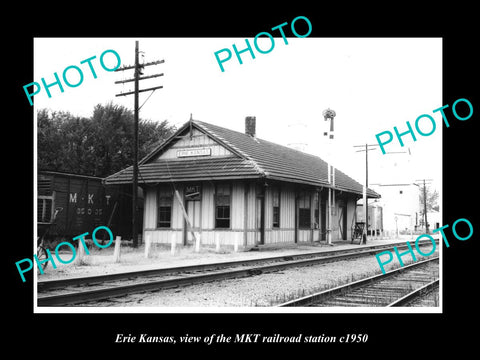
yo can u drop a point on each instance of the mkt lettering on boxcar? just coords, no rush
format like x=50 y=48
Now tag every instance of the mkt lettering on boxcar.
x=85 y=203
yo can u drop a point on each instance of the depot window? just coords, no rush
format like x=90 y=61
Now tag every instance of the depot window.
x=222 y=206
x=304 y=215
x=165 y=201
x=276 y=207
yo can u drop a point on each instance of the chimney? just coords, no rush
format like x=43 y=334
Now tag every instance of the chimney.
x=250 y=126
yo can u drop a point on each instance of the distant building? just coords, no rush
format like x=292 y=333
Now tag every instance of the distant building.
x=434 y=219
x=400 y=206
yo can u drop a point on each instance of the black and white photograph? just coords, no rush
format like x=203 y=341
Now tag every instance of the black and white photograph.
x=241 y=199
x=287 y=179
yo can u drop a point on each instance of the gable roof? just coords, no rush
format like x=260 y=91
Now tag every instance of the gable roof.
x=254 y=158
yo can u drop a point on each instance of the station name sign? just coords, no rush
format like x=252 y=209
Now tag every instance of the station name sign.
x=201 y=151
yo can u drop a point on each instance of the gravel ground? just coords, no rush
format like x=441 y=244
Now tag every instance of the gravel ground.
x=101 y=262
x=431 y=299
x=261 y=290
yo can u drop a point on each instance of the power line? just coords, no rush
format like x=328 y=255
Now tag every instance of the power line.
x=424 y=199
x=367 y=148
x=365 y=196
x=137 y=72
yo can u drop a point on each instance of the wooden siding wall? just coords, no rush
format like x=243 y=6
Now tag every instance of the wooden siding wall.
x=252 y=234
x=150 y=218
x=208 y=233
x=286 y=232
x=198 y=140
x=351 y=206
x=336 y=235
x=243 y=217
x=350 y=203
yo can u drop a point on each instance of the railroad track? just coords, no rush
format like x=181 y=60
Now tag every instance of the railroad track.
x=416 y=295
x=66 y=291
x=395 y=288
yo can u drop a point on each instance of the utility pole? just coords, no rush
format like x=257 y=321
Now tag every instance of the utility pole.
x=137 y=72
x=425 y=204
x=425 y=201
x=365 y=197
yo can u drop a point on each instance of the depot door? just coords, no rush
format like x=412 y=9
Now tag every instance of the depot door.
x=342 y=220
x=323 y=216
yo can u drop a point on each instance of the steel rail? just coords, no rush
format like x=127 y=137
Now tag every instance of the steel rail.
x=405 y=300
x=308 y=299
x=115 y=291
x=46 y=285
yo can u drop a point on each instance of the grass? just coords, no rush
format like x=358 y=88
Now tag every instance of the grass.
x=282 y=298
x=102 y=259
x=298 y=293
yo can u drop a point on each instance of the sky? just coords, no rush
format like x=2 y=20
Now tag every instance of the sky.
x=373 y=84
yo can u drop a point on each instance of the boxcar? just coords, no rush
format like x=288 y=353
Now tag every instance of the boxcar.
x=84 y=202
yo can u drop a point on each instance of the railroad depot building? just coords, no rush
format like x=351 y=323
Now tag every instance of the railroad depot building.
x=239 y=189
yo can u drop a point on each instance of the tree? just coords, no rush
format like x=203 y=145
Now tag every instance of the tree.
x=60 y=144
x=432 y=199
x=432 y=202
x=111 y=140
x=98 y=146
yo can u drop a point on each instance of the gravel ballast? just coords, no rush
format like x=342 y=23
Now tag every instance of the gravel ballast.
x=267 y=289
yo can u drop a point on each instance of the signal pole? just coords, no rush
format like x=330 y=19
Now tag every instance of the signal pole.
x=137 y=72
x=329 y=114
